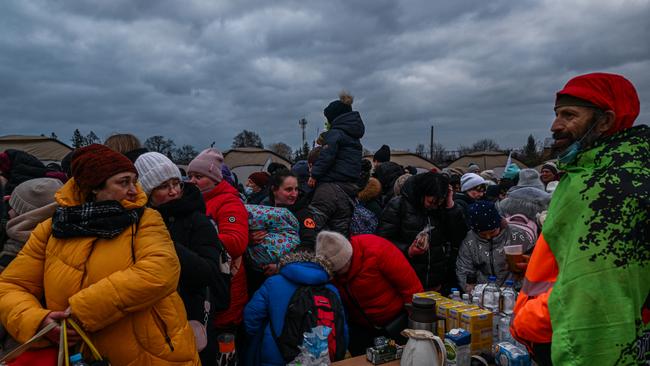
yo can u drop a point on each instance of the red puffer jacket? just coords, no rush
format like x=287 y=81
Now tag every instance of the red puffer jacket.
x=380 y=279
x=225 y=207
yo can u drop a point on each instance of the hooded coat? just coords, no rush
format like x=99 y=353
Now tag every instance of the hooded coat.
x=199 y=251
x=117 y=301
x=405 y=216
x=340 y=157
x=18 y=230
x=225 y=207
x=268 y=306
x=486 y=258
x=23 y=167
x=387 y=173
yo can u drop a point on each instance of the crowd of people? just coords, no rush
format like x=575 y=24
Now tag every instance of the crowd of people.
x=162 y=266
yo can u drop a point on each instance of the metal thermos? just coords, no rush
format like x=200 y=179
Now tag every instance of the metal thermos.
x=422 y=314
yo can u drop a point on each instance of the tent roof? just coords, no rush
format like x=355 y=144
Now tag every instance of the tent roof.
x=42 y=147
x=243 y=156
x=405 y=159
x=485 y=160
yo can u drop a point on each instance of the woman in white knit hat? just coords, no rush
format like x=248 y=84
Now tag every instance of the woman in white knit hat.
x=195 y=240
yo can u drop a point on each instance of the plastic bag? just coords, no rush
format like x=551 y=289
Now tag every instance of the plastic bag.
x=314 y=350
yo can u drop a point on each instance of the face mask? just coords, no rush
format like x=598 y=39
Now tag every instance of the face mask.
x=570 y=154
x=248 y=191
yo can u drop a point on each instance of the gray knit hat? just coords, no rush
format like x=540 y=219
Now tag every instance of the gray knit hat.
x=33 y=194
x=335 y=248
x=155 y=168
x=530 y=178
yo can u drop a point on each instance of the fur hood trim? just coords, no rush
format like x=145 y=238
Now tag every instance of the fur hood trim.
x=371 y=191
x=304 y=256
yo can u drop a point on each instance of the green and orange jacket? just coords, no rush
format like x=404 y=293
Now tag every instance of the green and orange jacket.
x=587 y=284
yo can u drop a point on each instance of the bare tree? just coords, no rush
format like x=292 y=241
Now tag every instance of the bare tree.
x=160 y=144
x=247 y=138
x=419 y=150
x=185 y=154
x=282 y=149
x=480 y=145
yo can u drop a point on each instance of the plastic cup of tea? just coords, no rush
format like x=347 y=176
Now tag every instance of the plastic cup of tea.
x=226 y=342
x=514 y=255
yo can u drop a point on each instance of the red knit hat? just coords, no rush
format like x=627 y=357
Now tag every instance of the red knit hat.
x=5 y=163
x=608 y=92
x=261 y=179
x=92 y=165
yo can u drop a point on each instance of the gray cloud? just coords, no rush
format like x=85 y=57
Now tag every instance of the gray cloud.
x=201 y=71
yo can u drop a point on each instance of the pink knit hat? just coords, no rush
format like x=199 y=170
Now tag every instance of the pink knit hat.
x=208 y=163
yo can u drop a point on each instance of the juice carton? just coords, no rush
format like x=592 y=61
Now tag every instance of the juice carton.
x=454 y=313
x=479 y=324
x=430 y=295
x=441 y=313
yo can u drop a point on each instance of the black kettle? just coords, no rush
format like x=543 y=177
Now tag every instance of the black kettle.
x=422 y=314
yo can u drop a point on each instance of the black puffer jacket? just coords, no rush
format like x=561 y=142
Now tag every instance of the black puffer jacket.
x=23 y=168
x=340 y=158
x=404 y=217
x=199 y=251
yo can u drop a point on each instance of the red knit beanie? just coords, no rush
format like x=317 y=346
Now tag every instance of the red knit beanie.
x=92 y=165
x=607 y=92
x=261 y=179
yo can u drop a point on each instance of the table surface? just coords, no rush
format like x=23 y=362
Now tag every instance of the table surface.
x=362 y=361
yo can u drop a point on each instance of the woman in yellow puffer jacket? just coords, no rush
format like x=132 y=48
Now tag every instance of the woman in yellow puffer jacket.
x=106 y=261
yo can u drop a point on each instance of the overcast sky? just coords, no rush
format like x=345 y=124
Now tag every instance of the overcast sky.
x=199 y=71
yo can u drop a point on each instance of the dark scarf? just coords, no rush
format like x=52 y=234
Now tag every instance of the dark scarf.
x=104 y=220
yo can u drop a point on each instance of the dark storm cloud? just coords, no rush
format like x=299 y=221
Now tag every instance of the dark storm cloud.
x=201 y=71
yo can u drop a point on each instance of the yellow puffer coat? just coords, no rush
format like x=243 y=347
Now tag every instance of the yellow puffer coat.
x=132 y=311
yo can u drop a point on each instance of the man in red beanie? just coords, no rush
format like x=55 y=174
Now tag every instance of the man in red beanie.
x=585 y=295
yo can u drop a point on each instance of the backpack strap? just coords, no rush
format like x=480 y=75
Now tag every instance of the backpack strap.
x=356 y=305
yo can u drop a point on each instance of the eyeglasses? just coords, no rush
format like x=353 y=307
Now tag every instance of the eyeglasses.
x=168 y=186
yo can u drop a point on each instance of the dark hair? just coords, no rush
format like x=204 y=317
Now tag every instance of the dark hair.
x=273 y=167
x=276 y=180
x=313 y=155
x=430 y=184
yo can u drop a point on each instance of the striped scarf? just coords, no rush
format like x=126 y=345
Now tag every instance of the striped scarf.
x=104 y=220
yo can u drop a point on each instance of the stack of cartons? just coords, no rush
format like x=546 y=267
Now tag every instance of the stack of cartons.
x=479 y=324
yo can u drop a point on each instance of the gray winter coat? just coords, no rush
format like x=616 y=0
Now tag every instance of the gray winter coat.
x=486 y=257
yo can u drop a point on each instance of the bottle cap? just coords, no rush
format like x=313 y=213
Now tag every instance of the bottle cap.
x=510 y=282
x=76 y=357
x=492 y=278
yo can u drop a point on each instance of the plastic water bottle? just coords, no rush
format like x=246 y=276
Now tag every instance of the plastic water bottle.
x=491 y=294
x=476 y=301
x=466 y=299
x=77 y=360
x=455 y=294
x=504 y=329
x=509 y=298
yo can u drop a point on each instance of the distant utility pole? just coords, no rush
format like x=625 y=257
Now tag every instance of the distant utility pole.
x=303 y=125
x=431 y=145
